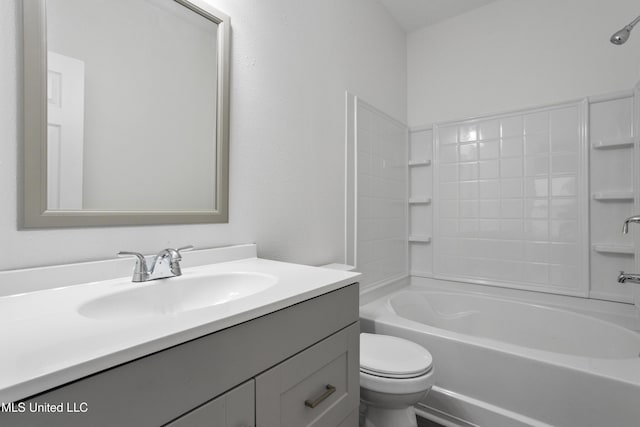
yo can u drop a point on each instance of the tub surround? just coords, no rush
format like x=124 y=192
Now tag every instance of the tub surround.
x=377 y=143
x=50 y=343
x=510 y=194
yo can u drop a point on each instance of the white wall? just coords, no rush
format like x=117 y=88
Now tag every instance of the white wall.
x=514 y=54
x=292 y=61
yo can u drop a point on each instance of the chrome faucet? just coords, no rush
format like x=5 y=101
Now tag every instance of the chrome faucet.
x=625 y=226
x=625 y=277
x=165 y=264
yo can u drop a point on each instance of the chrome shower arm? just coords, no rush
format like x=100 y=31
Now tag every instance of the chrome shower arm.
x=634 y=22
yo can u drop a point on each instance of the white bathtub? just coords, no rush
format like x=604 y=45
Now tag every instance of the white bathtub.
x=501 y=361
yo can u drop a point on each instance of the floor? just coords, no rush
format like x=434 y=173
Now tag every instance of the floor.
x=422 y=422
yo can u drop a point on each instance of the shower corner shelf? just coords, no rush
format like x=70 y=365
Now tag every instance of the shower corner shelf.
x=603 y=196
x=615 y=143
x=422 y=200
x=420 y=239
x=423 y=162
x=604 y=248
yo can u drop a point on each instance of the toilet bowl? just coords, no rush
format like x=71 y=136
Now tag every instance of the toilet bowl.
x=395 y=374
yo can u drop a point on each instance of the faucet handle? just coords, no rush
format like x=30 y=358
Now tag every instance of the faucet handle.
x=175 y=259
x=141 y=271
x=621 y=277
x=184 y=249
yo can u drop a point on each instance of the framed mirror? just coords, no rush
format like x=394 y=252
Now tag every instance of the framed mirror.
x=126 y=113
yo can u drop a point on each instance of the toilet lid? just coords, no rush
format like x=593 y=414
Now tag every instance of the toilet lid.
x=393 y=357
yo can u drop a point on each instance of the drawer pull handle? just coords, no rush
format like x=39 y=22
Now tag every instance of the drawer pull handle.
x=313 y=403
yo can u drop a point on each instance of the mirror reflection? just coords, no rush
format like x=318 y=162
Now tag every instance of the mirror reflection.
x=131 y=90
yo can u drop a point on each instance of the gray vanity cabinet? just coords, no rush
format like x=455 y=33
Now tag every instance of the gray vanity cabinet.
x=270 y=365
x=316 y=388
x=235 y=408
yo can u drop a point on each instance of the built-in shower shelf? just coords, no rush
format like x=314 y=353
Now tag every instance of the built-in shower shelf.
x=614 y=249
x=420 y=239
x=423 y=162
x=420 y=200
x=614 y=143
x=623 y=196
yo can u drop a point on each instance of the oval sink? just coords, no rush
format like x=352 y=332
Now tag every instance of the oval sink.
x=176 y=295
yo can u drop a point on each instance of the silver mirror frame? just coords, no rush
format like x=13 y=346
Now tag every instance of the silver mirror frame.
x=34 y=180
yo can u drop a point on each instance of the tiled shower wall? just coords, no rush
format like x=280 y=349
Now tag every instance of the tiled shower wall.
x=381 y=174
x=511 y=206
x=525 y=200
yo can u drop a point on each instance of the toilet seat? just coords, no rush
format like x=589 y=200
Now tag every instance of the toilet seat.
x=392 y=357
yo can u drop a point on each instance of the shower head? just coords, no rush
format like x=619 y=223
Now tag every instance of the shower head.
x=621 y=36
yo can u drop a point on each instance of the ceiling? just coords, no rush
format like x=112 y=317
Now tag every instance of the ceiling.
x=414 y=14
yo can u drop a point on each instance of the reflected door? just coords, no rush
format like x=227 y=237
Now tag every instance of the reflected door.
x=65 y=131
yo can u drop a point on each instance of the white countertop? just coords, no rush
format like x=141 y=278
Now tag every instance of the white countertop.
x=47 y=343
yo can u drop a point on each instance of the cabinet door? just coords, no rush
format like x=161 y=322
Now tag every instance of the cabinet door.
x=235 y=408
x=318 y=387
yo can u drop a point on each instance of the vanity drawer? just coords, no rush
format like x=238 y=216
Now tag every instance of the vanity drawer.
x=235 y=408
x=318 y=387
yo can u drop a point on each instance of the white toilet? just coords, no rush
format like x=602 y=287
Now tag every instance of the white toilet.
x=394 y=375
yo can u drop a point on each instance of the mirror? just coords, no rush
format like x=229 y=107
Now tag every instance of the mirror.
x=126 y=111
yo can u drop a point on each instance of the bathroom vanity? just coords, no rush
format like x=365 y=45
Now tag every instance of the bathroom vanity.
x=291 y=360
